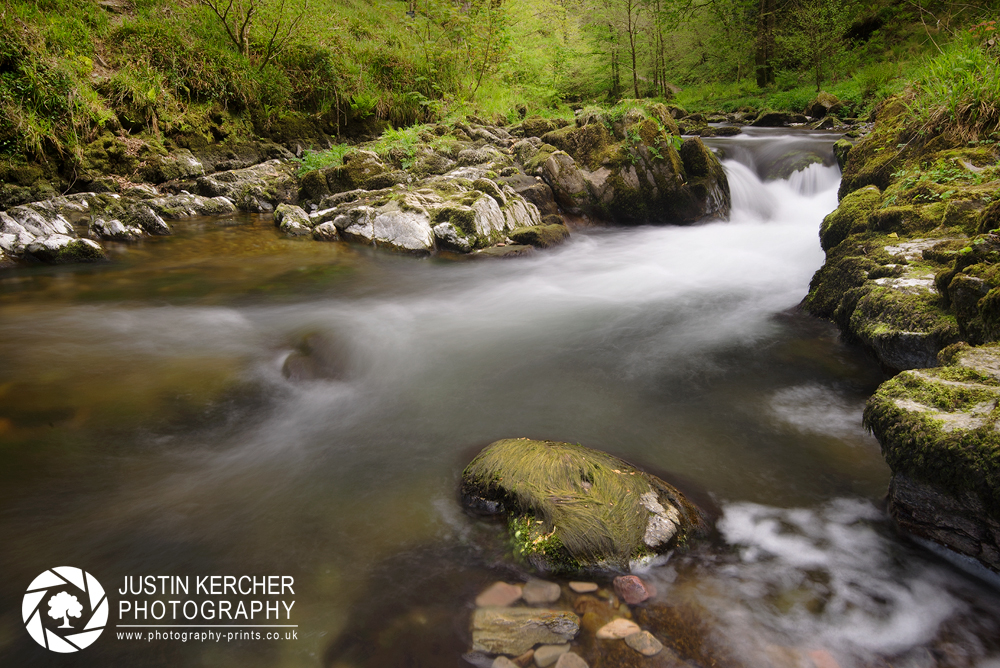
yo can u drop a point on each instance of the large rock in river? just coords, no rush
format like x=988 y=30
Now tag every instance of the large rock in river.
x=570 y=507
x=628 y=165
x=940 y=434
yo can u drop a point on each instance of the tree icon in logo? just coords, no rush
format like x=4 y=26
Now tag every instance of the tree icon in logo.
x=70 y=592
x=63 y=604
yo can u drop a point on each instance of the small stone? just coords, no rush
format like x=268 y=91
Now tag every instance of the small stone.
x=540 y=591
x=583 y=587
x=546 y=655
x=503 y=662
x=617 y=629
x=498 y=595
x=631 y=589
x=513 y=631
x=571 y=660
x=644 y=642
x=523 y=660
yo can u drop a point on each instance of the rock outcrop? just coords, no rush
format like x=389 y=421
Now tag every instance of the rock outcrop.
x=629 y=166
x=912 y=271
x=570 y=508
x=940 y=433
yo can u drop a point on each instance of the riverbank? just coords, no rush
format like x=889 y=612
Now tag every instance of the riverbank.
x=910 y=273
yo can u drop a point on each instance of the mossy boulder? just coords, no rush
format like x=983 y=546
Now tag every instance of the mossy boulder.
x=940 y=434
x=540 y=236
x=627 y=169
x=570 y=508
x=823 y=104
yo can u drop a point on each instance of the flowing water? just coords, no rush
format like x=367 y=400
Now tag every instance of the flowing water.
x=146 y=427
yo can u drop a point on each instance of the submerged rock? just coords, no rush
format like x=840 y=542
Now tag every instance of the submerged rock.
x=570 y=507
x=940 y=434
x=513 y=631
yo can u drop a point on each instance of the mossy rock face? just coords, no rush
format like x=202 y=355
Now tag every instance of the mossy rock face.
x=570 y=508
x=540 y=236
x=535 y=126
x=850 y=217
x=940 y=434
x=590 y=145
x=882 y=292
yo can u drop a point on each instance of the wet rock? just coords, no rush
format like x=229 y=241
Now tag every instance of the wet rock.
x=143 y=217
x=114 y=230
x=525 y=659
x=591 y=513
x=538 y=592
x=292 y=220
x=185 y=205
x=540 y=236
x=38 y=222
x=583 y=587
x=644 y=642
x=514 y=631
x=504 y=252
x=503 y=662
x=317 y=356
x=546 y=655
x=325 y=232
x=594 y=613
x=631 y=173
x=938 y=432
x=180 y=164
x=62 y=249
x=256 y=189
x=571 y=660
x=617 y=629
x=876 y=293
x=777 y=119
x=499 y=595
x=631 y=588
x=389 y=227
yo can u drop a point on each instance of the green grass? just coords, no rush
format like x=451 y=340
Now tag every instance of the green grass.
x=960 y=87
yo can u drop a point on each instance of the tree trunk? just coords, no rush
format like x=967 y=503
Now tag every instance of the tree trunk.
x=765 y=43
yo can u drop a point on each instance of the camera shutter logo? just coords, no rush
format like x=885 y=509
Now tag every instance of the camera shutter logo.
x=65 y=609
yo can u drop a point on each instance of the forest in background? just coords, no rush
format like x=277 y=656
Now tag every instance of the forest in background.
x=74 y=70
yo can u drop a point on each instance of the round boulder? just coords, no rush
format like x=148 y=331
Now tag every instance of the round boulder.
x=570 y=508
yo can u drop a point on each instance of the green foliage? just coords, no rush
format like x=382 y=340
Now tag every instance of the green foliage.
x=961 y=86
x=398 y=145
x=332 y=157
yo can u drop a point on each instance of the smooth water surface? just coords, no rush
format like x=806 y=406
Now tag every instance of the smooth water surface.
x=146 y=427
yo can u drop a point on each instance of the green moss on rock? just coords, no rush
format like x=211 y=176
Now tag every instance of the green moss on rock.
x=850 y=217
x=573 y=505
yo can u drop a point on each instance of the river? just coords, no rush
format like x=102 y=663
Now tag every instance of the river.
x=146 y=428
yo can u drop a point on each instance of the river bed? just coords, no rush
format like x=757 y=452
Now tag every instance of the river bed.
x=146 y=427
